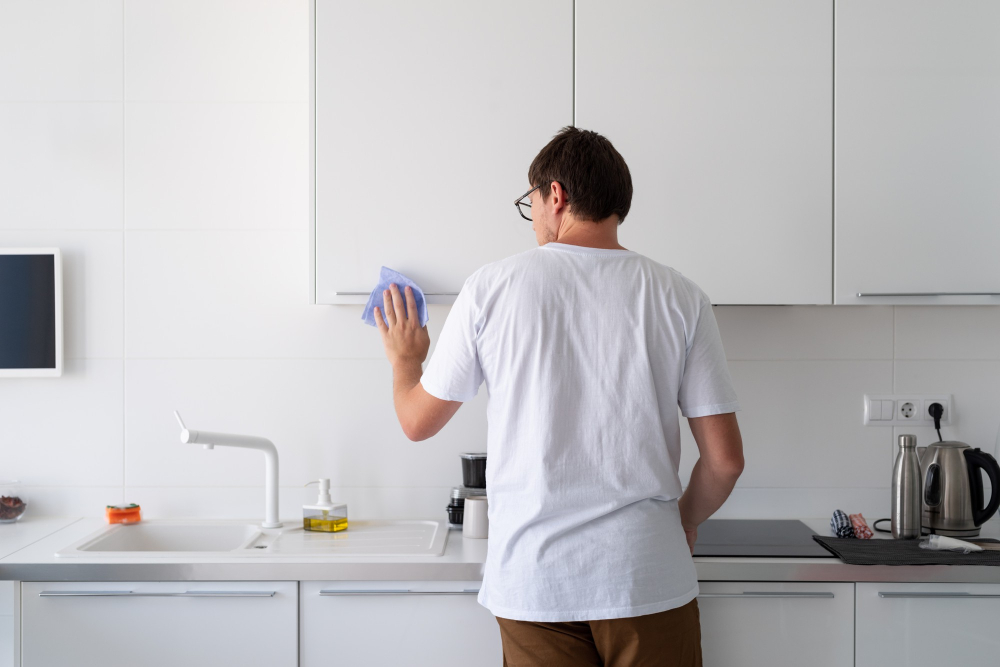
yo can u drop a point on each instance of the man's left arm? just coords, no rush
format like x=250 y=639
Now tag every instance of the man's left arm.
x=406 y=344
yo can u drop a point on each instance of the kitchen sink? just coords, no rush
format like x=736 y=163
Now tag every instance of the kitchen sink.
x=240 y=539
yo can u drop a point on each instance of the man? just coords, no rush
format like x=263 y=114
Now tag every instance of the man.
x=587 y=350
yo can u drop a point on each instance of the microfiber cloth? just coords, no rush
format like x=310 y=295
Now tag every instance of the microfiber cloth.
x=386 y=278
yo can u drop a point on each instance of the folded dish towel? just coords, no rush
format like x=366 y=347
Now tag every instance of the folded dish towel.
x=840 y=525
x=860 y=526
x=386 y=278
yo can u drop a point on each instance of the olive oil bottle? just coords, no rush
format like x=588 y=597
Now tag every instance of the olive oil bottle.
x=324 y=515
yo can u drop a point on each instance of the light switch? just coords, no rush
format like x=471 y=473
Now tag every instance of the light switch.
x=888 y=410
x=874 y=410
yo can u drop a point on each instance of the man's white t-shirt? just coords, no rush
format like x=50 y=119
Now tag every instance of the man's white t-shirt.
x=586 y=354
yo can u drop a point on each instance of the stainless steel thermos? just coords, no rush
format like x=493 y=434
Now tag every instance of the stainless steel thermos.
x=906 y=489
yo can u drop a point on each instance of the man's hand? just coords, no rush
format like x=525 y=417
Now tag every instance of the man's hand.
x=404 y=339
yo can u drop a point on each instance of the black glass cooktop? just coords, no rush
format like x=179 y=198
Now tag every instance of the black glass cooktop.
x=757 y=537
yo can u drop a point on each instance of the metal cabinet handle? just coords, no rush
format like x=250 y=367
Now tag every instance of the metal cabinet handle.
x=938 y=596
x=401 y=591
x=185 y=594
x=864 y=294
x=767 y=594
x=367 y=293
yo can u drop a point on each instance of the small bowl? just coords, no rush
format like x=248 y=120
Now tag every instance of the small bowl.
x=13 y=502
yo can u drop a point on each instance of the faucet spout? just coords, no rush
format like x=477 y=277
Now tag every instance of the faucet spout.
x=211 y=439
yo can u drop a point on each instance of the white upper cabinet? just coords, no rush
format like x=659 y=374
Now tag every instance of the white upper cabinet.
x=426 y=117
x=724 y=112
x=917 y=151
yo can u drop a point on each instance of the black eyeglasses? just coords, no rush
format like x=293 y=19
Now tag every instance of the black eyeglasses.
x=523 y=203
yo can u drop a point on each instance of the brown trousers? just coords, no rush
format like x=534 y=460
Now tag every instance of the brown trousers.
x=670 y=638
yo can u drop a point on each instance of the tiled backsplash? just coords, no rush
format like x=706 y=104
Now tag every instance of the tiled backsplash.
x=177 y=187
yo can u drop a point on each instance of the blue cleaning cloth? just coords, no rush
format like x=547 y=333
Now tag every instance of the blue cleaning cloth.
x=386 y=278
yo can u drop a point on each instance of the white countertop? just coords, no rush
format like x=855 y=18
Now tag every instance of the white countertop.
x=27 y=553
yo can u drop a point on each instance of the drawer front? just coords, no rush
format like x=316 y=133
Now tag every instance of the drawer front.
x=418 y=624
x=927 y=624
x=159 y=623
x=777 y=623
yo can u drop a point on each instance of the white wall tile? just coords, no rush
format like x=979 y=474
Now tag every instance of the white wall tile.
x=61 y=166
x=806 y=502
x=328 y=418
x=802 y=425
x=217 y=50
x=93 y=288
x=806 y=332
x=954 y=332
x=363 y=503
x=975 y=390
x=61 y=50
x=217 y=166
x=236 y=294
x=71 y=501
x=67 y=430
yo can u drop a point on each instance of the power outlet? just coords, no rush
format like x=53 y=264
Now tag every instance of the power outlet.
x=904 y=409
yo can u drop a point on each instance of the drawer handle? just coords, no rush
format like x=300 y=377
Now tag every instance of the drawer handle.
x=767 y=594
x=367 y=293
x=401 y=591
x=185 y=594
x=958 y=595
x=864 y=294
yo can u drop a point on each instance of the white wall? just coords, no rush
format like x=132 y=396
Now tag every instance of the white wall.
x=164 y=147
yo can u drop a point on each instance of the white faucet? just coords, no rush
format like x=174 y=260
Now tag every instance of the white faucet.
x=210 y=440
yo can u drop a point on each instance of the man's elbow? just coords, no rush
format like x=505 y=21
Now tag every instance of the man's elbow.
x=417 y=431
x=733 y=467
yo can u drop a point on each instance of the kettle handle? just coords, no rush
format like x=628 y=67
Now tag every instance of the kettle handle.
x=977 y=460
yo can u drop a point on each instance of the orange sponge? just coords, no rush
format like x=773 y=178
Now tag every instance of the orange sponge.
x=130 y=513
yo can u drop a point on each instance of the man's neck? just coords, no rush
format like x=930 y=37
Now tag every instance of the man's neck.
x=590 y=234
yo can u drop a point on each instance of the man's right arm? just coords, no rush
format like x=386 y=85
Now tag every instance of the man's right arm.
x=716 y=471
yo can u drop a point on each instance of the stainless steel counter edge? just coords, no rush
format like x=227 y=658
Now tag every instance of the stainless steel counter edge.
x=709 y=569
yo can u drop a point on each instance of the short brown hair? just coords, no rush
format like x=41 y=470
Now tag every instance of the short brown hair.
x=593 y=174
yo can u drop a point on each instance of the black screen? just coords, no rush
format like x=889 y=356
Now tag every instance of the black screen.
x=27 y=311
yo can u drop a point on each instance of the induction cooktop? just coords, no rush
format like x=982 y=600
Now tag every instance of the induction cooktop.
x=766 y=538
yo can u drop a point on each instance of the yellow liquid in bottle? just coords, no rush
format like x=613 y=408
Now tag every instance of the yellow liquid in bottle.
x=325 y=523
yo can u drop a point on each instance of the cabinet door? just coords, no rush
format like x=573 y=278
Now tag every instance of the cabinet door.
x=724 y=113
x=777 y=623
x=917 y=151
x=159 y=623
x=920 y=625
x=418 y=624
x=426 y=117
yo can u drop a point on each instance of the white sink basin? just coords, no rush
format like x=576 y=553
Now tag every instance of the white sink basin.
x=239 y=539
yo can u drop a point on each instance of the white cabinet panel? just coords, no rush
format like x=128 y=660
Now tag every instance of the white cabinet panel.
x=777 y=623
x=427 y=115
x=418 y=624
x=917 y=150
x=920 y=625
x=159 y=623
x=723 y=111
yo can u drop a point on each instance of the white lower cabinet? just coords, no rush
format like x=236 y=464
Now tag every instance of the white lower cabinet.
x=928 y=624
x=776 y=623
x=125 y=624
x=418 y=624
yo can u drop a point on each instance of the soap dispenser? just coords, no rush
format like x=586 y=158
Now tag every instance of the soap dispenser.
x=324 y=515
